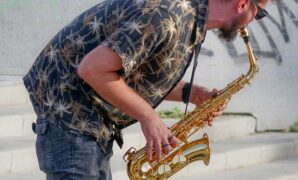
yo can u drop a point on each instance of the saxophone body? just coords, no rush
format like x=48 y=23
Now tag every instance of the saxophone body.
x=138 y=167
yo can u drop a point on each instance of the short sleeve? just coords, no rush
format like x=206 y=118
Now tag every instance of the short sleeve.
x=138 y=38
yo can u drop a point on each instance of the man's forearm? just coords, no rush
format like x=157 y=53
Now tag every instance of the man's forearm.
x=114 y=90
x=176 y=93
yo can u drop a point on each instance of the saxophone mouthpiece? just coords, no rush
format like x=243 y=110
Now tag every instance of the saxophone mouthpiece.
x=244 y=34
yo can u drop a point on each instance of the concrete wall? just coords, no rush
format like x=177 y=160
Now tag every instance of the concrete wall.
x=27 y=26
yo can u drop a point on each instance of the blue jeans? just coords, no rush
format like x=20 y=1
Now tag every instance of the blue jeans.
x=63 y=155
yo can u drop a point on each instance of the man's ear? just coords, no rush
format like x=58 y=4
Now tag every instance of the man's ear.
x=242 y=5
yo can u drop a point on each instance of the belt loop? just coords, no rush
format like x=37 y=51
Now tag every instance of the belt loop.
x=40 y=127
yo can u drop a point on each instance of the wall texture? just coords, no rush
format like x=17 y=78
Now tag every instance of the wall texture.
x=28 y=25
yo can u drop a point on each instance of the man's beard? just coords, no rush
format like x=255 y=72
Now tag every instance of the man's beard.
x=229 y=33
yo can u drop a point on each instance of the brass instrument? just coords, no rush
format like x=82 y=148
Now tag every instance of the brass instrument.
x=186 y=152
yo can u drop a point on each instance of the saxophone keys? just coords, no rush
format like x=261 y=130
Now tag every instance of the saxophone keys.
x=164 y=169
x=179 y=159
x=129 y=153
x=146 y=167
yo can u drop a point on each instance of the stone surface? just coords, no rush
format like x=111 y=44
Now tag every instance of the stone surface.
x=12 y=93
x=16 y=120
x=17 y=154
x=286 y=169
x=36 y=175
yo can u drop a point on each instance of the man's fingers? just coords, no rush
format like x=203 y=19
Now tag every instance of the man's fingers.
x=157 y=146
x=210 y=120
x=149 y=150
x=218 y=113
x=223 y=107
x=168 y=142
x=166 y=148
x=173 y=141
x=214 y=92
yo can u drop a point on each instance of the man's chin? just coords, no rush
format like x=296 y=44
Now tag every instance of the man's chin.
x=227 y=35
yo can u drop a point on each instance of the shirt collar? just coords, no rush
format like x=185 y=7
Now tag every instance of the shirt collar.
x=201 y=7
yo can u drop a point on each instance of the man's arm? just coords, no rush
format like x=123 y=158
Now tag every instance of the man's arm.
x=99 y=69
x=176 y=93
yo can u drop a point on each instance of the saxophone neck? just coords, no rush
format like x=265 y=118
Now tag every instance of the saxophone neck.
x=254 y=65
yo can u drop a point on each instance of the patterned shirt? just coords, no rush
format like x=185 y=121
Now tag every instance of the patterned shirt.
x=155 y=39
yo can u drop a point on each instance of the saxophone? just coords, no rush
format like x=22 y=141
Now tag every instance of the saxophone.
x=138 y=167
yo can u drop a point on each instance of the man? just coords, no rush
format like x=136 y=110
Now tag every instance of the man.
x=110 y=67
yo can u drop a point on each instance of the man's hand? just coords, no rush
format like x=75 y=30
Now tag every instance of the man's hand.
x=159 y=138
x=200 y=94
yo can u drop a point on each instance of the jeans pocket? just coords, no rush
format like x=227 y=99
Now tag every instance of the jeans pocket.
x=44 y=152
x=53 y=148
